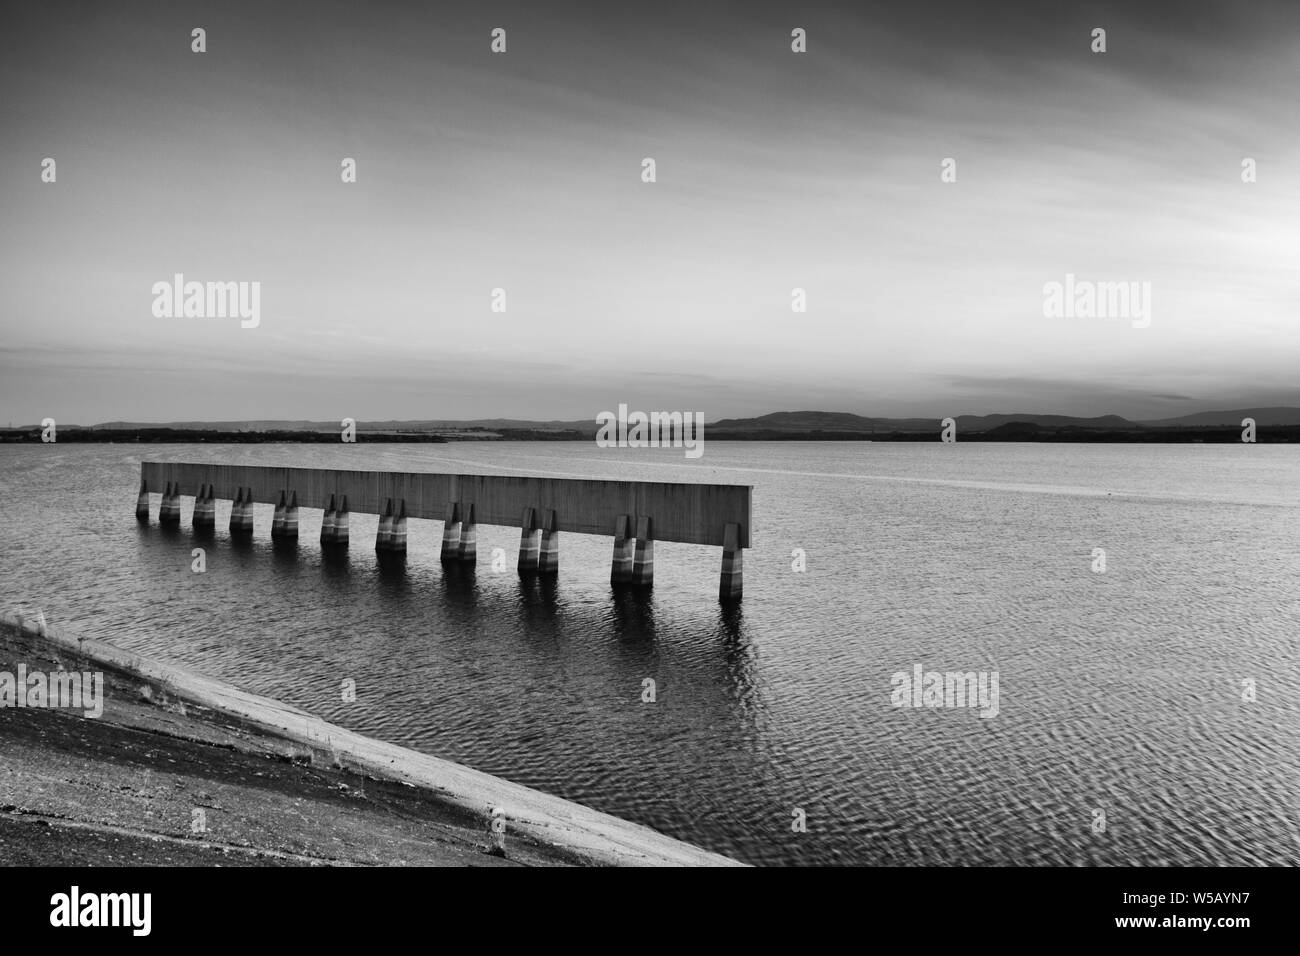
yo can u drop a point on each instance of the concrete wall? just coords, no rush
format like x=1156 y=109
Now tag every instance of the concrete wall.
x=692 y=514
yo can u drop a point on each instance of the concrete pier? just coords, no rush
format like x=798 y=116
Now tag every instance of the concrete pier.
x=340 y=539
x=715 y=515
x=241 y=514
x=289 y=531
x=468 y=550
x=205 y=510
x=733 y=566
x=528 y=548
x=384 y=536
x=277 y=521
x=620 y=569
x=643 y=561
x=327 y=524
x=169 y=512
x=451 y=532
x=142 y=503
x=397 y=542
x=246 y=513
x=548 y=554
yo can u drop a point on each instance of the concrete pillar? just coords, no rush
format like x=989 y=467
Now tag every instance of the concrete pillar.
x=451 y=533
x=341 y=524
x=289 y=531
x=246 y=515
x=169 y=512
x=468 y=551
x=327 y=524
x=196 y=516
x=277 y=522
x=205 y=508
x=397 y=543
x=384 y=537
x=236 y=507
x=548 y=556
x=142 y=503
x=643 y=564
x=733 y=565
x=620 y=570
x=528 y=550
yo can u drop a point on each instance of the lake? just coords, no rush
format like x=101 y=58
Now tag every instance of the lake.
x=1125 y=692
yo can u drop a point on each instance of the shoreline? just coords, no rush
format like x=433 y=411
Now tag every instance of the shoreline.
x=189 y=736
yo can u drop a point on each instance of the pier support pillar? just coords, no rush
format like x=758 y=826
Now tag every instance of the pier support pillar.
x=548 y=555
x=620 y=570
x=327 y=524
x=468 y=551
x=246 y=513
x=397 y=538
x=241 y=512
x=451 y=533
x=384 y=536
x=169 y=512
x=341 y=524
x=236 y=507
x=205 y=509
x=528 y=550
x=643 y=563
x=277 y=522
x=733 y=565
x=289 y=530
x=142 y=503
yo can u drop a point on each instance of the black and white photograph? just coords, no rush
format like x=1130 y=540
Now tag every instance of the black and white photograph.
x=499 y=435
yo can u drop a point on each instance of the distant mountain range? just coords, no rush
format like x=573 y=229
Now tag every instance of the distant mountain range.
x=848 y=422
x=806 y=425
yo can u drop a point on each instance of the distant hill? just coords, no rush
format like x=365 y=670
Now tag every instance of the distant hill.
x=791 y=426
x=820 y=422
x=983 y=423
x=262 y=425
x=1262 y=416
x=845 y=422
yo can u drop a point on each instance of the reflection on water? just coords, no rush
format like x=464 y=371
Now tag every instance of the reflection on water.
x=1119 y=691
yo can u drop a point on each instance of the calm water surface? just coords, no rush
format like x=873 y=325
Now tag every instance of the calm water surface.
x=1120 y=691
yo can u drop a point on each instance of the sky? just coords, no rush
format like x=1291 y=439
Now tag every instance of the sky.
x=522 y=171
